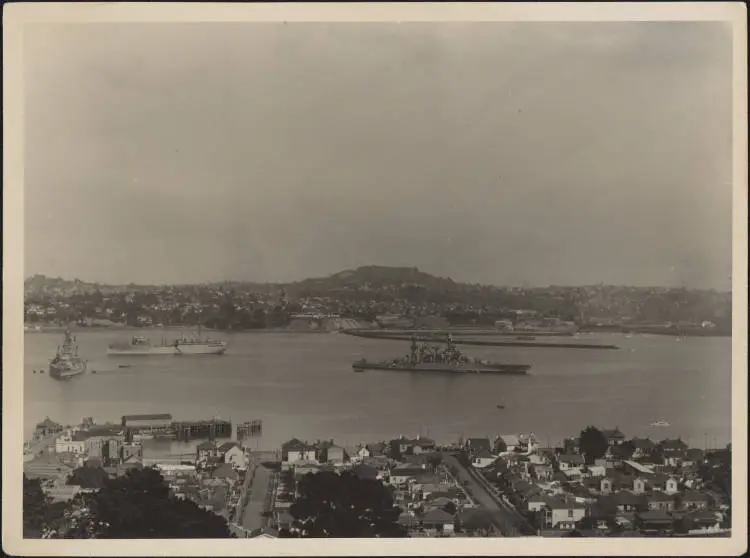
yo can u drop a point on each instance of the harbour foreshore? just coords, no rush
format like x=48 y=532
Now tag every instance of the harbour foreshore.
x=506 y=485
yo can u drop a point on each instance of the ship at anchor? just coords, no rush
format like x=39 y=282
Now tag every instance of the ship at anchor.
x=67 y=363
x=186 y=345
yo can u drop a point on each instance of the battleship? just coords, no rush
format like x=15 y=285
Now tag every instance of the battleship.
x=435 y=359
x=67 y=363
x=141 y=346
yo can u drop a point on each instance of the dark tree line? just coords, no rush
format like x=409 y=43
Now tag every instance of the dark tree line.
x=343 y=505
x=137 y=505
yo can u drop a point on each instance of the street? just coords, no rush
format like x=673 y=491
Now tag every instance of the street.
x=504 y=517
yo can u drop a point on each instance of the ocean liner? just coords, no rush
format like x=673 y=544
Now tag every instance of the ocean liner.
x=195 y=345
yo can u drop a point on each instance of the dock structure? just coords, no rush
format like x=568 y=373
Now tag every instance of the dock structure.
x=202 y=429
x=249 y=429
x=154 y=424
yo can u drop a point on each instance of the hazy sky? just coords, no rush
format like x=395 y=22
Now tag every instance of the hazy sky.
x=503 y=153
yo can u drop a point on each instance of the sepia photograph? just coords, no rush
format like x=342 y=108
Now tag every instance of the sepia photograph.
x=290 y=272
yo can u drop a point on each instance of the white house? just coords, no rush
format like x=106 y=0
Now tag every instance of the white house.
x=65 y=444
x=232 y=453
x=562 y=514
x=294 y=450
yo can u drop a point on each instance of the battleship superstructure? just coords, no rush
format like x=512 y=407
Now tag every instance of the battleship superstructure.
x=67 y=363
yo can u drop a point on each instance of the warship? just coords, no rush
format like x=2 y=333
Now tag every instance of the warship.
x=67 y=363
x=436 y=359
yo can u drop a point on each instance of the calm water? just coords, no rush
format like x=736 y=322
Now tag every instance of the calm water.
x=302 y=385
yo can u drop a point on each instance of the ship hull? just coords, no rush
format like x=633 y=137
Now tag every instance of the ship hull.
x=64 y=372
x=141 y=351
x=477 y=368
x=201 y=349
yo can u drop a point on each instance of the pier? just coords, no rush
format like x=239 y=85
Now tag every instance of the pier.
x=202 y=429
x=395 y=337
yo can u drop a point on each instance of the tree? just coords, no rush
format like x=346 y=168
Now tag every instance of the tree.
x=138 y=505
x=39 y=513
x=343 y=505
x=593 y=444
x=88 y=477
x=35 y=503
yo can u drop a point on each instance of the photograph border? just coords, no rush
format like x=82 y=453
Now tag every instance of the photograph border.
x=17 y=15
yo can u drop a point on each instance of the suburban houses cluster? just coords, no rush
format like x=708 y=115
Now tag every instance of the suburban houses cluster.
x=385 y=297
x=507 y=485
x=212 y=478
x=638 y=487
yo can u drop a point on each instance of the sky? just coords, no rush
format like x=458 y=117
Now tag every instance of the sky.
x=500 y=153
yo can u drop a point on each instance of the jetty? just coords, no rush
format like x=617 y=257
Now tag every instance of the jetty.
x=380 y=334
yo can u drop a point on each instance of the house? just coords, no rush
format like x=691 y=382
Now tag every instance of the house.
x=542 y=456
x=654 y=521
x=233 y=454
x=328 y=452
x=482 y=458
x=626 y=501
x=131 y=449
x=614 y=437
x=402 y=474
x=543 y=472
x=642 y=447
x=413 y=446
x=674 y=458
x=660 y=501
x=671 y=446
x=562 y=514
x=690 y=472
x=226 y=473
x=671 y=486
x=205 y=450
x=512 y=442
x=693 y=457
x=295 y=450
x=570 y=461
x=538 y=502
x=658 y=482
x=605 y=486
x=639 y=486
x=693 y=500
x=438 y=519
x=47 y=427
x=705 y=520
x=66 y=444
x=474 y=446
x=372 y=450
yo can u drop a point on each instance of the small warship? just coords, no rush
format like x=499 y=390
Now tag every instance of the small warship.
x=448 y=359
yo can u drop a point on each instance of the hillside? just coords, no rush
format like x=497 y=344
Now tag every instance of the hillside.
x=373 y=277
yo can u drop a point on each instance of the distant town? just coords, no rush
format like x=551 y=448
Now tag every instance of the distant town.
x=89 y=480
x=376 y=296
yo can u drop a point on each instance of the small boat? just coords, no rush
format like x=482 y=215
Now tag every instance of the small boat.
x=501 y=406
x=660 y=423
x=124 y=365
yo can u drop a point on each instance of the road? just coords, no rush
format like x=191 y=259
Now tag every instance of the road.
x=251 y=516
x=503 y=516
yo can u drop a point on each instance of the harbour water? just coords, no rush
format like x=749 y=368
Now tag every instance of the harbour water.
x=302 y=385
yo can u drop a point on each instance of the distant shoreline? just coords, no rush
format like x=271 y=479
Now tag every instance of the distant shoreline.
x=32 y=328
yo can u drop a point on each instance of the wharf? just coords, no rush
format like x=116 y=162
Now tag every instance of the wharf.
x=216 y=428
x=391 y=337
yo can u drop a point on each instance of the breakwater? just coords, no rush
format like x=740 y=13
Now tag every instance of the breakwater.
x=533 y=344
